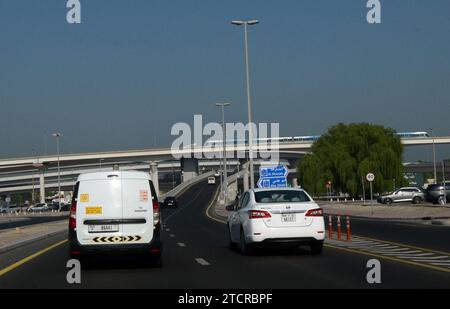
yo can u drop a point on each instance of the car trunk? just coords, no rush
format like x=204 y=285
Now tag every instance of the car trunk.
x=287 y=214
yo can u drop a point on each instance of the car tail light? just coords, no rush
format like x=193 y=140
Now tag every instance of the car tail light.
x=258 y=214
x=315 y=213
x=156 y=212
x=73 y=215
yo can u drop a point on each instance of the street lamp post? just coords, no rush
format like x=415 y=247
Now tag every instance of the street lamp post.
x=249 y=98
x=434 y=158
x=57 y=136
x=224 y=145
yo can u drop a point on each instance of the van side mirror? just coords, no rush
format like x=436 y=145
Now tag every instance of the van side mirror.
x=230 y=208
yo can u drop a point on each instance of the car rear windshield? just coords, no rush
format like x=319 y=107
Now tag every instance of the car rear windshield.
x=281 y=196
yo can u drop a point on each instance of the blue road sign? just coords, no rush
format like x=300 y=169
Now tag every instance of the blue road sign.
x=274 y=171
x=274 y=182
x=273 y=177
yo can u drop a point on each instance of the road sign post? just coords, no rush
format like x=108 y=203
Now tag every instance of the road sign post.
x=371 y=178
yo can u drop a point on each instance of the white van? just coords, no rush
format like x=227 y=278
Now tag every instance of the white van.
x=211 y=180
x=115 y=212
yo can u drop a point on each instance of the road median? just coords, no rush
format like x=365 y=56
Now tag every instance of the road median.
x=18 y=237
x=393 y=212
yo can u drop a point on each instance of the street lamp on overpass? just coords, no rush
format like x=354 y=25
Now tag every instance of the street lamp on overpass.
x=224 y=145
x=57 y=136
x=249 y=98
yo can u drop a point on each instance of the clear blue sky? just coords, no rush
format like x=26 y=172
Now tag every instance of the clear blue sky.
x=133 y=66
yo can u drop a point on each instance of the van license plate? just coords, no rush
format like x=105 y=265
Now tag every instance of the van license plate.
x=288 y=218
x=103 y=228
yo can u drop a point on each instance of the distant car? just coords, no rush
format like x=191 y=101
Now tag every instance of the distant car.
x=211 y=180
x=435 y=193
x=38 y=207
x=276 y=217
x=13 y=209
x=65 y=207
x=170 y=202
x=409 y=194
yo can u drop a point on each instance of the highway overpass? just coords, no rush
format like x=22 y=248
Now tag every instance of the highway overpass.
x=19 y=174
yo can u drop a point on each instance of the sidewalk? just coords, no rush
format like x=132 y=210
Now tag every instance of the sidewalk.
x=14 y=238
x=393 y=212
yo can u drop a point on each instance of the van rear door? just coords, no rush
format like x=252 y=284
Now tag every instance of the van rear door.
x=99 y=209
x=137 y=210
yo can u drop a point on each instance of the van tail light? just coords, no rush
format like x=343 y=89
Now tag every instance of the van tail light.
x=73 y=215
x=156 y=212
x=314 y=213
x=258 y=214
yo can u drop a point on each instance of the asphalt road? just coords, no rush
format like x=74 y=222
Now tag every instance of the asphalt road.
x=196 y=256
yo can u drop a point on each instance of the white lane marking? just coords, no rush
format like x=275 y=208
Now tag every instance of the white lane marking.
x=182 y=245
x=172 y=235
x=407 y=254
x=399 y=251
x=202 y=262
x=441 y=264
x=167 y=230
x=434 y=258
x=425 y=255
x=384 y=246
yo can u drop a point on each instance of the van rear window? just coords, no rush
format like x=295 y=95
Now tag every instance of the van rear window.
x=281 y=196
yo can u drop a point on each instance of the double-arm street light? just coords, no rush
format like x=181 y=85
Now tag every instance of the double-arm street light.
x=249 y=98
x=224 y=146
x=57 y=136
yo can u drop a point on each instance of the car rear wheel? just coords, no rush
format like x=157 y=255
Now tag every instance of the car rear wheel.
x=245 y=248
x=316 y=247
x=156 y=261
x=388 y=201
x=441 y=200
x=231 y=244
x=417 y=200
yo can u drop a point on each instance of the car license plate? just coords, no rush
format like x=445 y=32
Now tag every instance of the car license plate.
x=103 y=228
x=288 y=218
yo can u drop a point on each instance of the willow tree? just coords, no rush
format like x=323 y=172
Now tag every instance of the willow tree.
x=346 y=153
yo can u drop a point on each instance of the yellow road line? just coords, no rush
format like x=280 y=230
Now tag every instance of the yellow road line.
x=209 y=208
x=363 y=252
x=29 y=258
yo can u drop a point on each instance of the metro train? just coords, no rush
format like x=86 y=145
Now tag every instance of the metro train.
x=300 y=139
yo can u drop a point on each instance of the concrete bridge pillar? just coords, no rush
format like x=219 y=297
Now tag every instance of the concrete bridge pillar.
x=189 y=168
x=154 y=175
x=246 y=176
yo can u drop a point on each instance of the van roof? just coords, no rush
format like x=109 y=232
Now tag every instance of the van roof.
x=120 y=174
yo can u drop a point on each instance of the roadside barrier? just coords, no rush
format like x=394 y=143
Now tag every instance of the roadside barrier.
x=339 y=228
x=339 y=234
x=349 y=237
x=330 y=227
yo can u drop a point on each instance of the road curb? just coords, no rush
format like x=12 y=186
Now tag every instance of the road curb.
x=30 y=241
x=391 y=219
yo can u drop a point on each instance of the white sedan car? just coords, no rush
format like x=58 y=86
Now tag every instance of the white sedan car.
x=267 y=217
